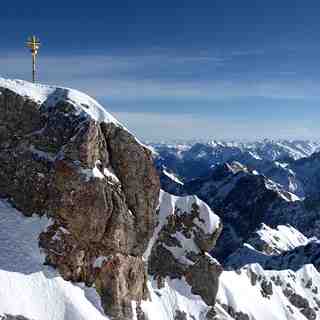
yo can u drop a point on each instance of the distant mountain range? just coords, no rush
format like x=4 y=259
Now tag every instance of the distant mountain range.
x=267 y=194
x=288 y=163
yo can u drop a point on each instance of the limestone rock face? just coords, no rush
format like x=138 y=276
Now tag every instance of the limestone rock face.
x=118 y=292
x=65 y=158
x=125 y=152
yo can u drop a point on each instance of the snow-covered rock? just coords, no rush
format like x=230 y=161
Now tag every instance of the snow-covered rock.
x=278 y=271
x=277 y=240
x=180 y=266
x=88 y=195
x=50 y=96
x=254 y=293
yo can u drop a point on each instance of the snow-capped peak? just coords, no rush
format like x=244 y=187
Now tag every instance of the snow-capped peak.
x=49 y=96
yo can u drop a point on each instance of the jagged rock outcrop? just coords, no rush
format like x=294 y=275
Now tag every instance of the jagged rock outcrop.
x=187 y=230
x=63 y=156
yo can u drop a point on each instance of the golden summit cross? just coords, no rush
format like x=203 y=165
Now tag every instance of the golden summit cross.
x=33 y=44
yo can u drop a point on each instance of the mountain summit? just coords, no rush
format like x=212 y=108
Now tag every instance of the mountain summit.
x=81 y=226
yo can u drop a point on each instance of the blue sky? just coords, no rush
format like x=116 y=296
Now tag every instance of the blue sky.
x=179 y=69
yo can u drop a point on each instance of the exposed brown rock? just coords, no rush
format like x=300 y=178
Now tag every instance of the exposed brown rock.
x=131 y=163
x=98 y=186
x=203 y=278
x=121 y=280
x=47 y=156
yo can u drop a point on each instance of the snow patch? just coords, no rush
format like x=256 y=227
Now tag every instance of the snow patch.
x=172 y=177
x=175 y=296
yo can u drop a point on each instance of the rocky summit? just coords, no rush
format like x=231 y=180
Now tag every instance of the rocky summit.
x=88 y=233
x=63 y=156
x=80 y=207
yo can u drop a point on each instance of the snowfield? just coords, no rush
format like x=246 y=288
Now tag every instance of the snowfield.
x=28 y=287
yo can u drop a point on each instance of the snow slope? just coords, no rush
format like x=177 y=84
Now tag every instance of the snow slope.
x=267 y=242
x=27 y=287
x=278 y=271
x=271 y=295
x=174 y=297
x=172 y=177
x=282 y=238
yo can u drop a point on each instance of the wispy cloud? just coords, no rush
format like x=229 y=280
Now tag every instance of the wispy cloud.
x=164 y=77
x=89 y=64
x=156 y=76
